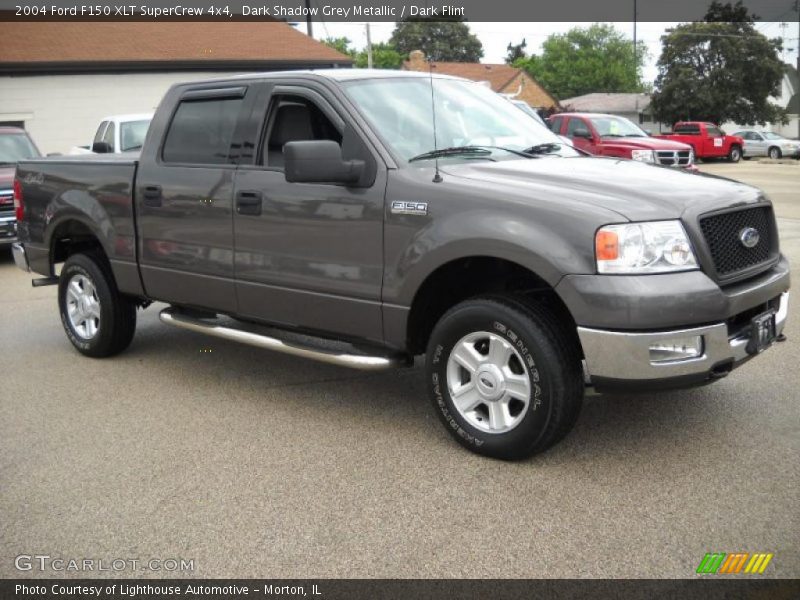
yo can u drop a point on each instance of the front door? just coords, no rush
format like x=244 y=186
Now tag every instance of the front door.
x=308 y=255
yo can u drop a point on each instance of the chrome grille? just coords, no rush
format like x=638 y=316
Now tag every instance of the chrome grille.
x=723 y=231
x=674 y=158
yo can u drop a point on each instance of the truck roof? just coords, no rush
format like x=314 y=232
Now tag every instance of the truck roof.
x=342 y=74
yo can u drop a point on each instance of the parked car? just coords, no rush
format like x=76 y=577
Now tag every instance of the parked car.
x=528 y=110
x=15 y=145
x=706 y=139
x=328 y=203
x=611 y=135
x=766 y=143
x=118 y=133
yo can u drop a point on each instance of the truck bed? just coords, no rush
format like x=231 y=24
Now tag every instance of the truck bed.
x=86 y=194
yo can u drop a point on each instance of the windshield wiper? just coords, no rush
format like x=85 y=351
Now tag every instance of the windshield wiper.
x=546 y=148
x=453 y=151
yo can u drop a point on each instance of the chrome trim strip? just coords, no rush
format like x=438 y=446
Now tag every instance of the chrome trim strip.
x=171 y=316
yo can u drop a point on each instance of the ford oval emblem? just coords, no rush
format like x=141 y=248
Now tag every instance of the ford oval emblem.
x=749 y=237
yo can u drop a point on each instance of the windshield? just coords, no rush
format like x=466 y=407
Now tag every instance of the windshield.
x=15 y=147
x=131 y=134
x=772 y=136
x=467 y=114
x=616 y=127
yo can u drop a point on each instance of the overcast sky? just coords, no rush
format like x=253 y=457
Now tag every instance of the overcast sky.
x=496 y=36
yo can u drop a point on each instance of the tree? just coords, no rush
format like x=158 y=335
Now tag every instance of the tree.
x=448 y=40
x=584 y=60
x=516 y=51
x=340 y=44
x=384 y=56
x=721 y=69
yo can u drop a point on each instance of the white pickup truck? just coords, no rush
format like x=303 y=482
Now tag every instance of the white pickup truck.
x=118 y=133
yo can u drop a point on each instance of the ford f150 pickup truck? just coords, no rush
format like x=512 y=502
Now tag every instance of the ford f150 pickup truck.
x=707 y=140
x=610 y=135
x=329 y=215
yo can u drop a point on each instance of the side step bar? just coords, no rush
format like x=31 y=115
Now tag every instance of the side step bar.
x=363 y=362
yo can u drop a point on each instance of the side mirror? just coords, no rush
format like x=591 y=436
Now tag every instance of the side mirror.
x=319 y=161
x=102 y=148
x=582 y=132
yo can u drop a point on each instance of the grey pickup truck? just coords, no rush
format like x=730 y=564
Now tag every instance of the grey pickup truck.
x=367 y=217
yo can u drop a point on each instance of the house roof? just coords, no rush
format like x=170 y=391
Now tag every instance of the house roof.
x=498 y=76
x=608 y=103
x=37 y=46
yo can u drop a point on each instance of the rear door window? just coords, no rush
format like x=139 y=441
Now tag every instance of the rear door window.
x=201 y=131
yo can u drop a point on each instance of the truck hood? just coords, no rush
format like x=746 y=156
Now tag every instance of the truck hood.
x=634 y=190
x=644 y=143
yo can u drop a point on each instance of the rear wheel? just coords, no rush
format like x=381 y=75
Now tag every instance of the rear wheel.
x=98 y=320
x=735 y=154
x=774 y=152
x=505 y=378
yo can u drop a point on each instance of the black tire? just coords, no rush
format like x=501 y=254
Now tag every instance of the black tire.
x=116 y=323
x=735 y=154
x=774 y=153
x=551 y=359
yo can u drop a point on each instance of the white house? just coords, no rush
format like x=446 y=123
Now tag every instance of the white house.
x=59 y=79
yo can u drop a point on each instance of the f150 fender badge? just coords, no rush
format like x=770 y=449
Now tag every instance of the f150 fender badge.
x=749 y=237
x=400 y=207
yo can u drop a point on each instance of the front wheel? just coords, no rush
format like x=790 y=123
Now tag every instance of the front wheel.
x=774 y=153
x=735 y=154
x=98 y=320
x=505 y=378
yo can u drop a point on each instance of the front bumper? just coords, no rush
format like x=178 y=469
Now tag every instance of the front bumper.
x=8 y=230
x=620 y=360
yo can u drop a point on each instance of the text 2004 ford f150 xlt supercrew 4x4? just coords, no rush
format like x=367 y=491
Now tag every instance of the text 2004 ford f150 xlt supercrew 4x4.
x=319 y=203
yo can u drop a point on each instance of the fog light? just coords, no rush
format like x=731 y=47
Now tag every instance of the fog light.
x=676 y=349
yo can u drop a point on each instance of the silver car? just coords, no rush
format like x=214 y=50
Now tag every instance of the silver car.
x=766 y=143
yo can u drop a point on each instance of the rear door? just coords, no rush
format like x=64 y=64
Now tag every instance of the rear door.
x=184 y=197
x=308 y=255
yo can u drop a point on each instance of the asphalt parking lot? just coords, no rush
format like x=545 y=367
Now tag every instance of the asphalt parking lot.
x=257 y=464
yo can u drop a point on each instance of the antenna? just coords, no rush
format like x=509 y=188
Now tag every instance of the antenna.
x=437 y=177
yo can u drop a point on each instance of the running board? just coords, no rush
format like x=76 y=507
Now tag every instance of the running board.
x=363 y=362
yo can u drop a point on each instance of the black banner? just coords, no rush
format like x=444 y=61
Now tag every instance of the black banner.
x=383 y=10
x=707 y=588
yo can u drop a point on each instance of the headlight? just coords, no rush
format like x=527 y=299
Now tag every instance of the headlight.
x=647 y=156
x=654 y=247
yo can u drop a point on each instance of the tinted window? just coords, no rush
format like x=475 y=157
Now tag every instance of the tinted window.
x=295 y=119
x=108 y=137
x=555 y=124
x=714 y=131
x=687 y=129
x=98 y=137
x=201 y=131
x=574 y=124
x=15 y=147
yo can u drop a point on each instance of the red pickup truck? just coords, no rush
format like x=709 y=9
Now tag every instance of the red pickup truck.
x=707 y=140
x=610 y=135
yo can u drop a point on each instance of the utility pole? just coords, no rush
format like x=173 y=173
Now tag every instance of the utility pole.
x=369 y=49
x=309 y=26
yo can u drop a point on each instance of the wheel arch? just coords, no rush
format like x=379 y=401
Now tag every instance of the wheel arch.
x=470 y=276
